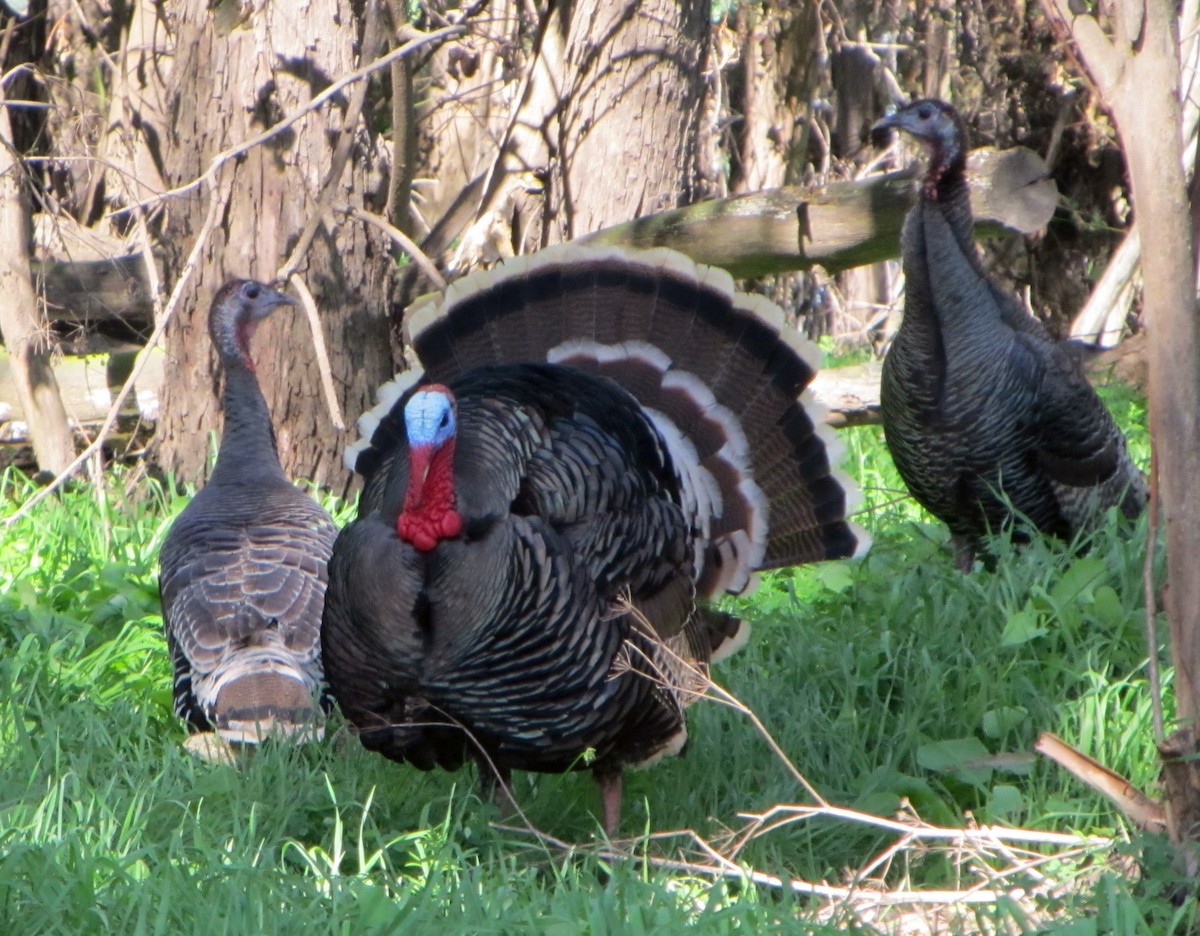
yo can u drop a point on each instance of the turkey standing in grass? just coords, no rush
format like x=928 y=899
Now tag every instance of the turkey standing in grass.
x=599 y=439
x=243 y=568
x=983 y=412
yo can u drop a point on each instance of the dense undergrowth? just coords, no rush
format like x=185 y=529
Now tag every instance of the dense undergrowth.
x=895 y=685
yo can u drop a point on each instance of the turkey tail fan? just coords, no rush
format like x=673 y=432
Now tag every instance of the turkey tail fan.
x=259 y=705
x=719 y=372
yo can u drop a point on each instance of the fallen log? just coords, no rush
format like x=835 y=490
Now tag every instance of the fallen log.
x=88 y=385
x=839 y=225
x=109 y=297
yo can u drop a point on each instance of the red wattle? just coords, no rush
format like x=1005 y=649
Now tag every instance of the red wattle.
x=429 y=513
x=245 y=331
x=415 y=531
x=451 y=524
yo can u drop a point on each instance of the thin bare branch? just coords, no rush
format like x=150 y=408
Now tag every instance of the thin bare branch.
x=405 y=243
x=1144 y=812
x=922 y=830
x=483 y=761
x=863 y=893
x=419 y=41
x=1002 y=862
x=322 y=351
x=730 y=699
x=711 y=690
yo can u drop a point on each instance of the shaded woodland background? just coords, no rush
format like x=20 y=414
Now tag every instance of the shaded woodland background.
x=509 y=126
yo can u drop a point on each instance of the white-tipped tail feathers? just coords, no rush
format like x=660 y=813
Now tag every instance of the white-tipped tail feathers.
x=721 y=374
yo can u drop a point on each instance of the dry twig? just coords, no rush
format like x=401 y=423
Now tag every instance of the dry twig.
x=1143 y=811
x=405 y=243
x=322 y=352
x=1002 y=862
x=419 y=41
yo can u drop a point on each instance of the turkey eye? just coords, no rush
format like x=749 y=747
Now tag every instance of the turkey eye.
x=251 y=290
x=445 y=421
x=925 y=113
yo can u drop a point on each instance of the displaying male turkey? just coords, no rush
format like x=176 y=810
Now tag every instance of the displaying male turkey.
x=243 y=568
x=983 y=412
x=599 y=440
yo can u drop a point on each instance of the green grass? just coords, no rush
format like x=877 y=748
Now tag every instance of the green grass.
x=894 y=684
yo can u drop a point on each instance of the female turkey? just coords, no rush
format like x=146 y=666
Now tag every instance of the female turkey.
x=598 y=441
x=985 y=415
x=243 y=568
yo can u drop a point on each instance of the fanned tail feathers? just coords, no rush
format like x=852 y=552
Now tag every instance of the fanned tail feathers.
x=256 y=694
x=719 y=372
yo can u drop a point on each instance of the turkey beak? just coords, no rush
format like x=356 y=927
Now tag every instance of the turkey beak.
x=271 y=300
x=881 y=132
x=419 y=459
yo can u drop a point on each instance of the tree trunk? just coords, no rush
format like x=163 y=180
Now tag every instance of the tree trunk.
x=627 y=139
x=231 y=79
x=780 y=48
x=1137 y=71
x=20 y=325
x=602 y=124
x=136 y=112
x=472 y=85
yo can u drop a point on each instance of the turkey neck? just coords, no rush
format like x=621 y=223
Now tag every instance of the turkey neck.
x=248 y=441
x=949 y=315
x=953 y=202
x=944 y=208
x=945 y=191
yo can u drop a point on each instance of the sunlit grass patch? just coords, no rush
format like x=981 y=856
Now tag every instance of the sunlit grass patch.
x=896 y=685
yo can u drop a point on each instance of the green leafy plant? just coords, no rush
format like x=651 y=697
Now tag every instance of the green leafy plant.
x=896 y=685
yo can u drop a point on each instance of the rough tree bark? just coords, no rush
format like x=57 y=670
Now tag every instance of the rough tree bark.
x=472 y=92
x=627 y=139
x=237 y=71
x=602 y=123
x=20 y=324
x=780 y=73
x=1136 y=68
